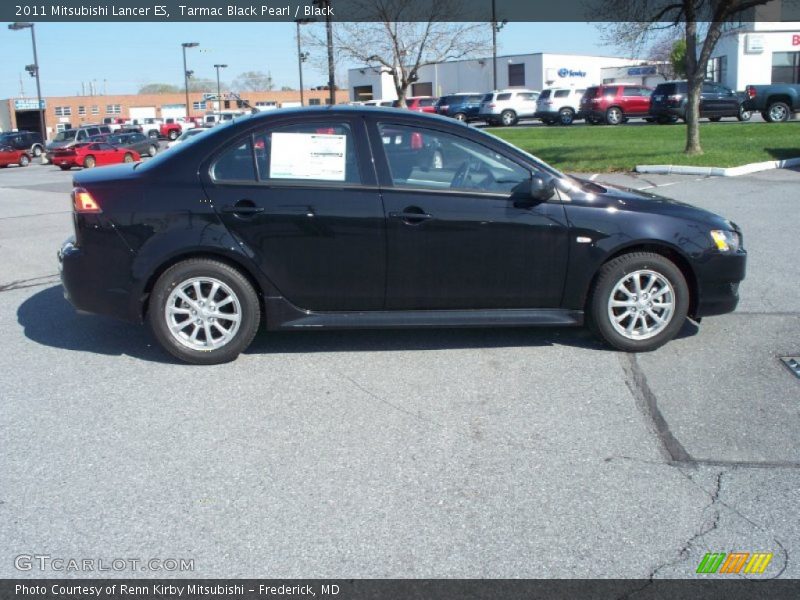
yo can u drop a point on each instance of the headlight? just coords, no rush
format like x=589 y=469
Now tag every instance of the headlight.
x=726 y=241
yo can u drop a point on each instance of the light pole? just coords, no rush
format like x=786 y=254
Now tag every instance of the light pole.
x=301 y=57
x=496 y=27
x=325 y=5
x=34 y=71
x=219 y=91
x=186 y=45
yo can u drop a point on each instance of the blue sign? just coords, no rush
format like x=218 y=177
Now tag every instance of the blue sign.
x=642 y=71
x=570 y=73
x=26 y=104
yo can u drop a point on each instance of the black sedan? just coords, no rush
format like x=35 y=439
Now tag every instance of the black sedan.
x=345 y=217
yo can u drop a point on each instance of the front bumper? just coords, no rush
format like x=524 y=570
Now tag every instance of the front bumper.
x=718 y=279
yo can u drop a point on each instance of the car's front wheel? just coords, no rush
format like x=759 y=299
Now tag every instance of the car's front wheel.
x=566 y=116
x=24 y=161
x=508 y=118
x=460 y=117
x=778 y=112
x=89 y=162
x=639 y=302
x=204 y=311
x=744 y=114
x=152 y=150
x=614 y=116
x=173 y=135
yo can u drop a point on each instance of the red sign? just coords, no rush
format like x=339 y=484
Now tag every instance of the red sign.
x=796 y=40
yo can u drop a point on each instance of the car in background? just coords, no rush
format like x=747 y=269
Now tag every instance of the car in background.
x=114 y=123
x=134 y=141
x=776 y=102
x=172 y=128
x=9 y=155
x=384 y=103
x=382 y=239
x=92 y=154
x=187 y=135
x=70 y=137
x=507 y=107
x=558 y=105
x=30 y=141
x=426 y=104
x=615 y=103
x=461 y=107
x=669 y=99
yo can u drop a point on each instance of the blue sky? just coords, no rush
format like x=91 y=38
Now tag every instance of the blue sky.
x=128 y=55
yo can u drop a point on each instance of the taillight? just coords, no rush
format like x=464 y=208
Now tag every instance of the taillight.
x=492 y=105
x=675 y=97
x=750 y=91
x=83 y=202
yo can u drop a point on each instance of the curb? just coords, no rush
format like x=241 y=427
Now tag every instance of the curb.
x=718 y=171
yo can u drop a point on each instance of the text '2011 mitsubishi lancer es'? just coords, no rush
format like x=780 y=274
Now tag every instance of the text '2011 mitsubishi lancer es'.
x=349 y=217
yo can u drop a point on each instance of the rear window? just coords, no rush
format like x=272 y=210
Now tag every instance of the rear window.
x=592 y=92
x=561 y=94
x=487 y=98
x=668 y=89
x=544 y=95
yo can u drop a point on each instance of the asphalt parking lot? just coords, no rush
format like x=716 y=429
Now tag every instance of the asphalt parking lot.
x=434 y=453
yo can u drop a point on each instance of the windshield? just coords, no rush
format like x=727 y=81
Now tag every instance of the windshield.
x=63 y=136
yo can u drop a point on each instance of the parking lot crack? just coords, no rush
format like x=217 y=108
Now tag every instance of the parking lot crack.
x=26 y=283
x=636 y=381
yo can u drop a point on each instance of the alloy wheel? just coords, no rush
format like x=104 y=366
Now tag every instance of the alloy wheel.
x=641 y=304
x=203 y=313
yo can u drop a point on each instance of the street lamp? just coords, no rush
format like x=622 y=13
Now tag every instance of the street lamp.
x=186 y=73
x=219 y=91
x=34 y=72
x=301 y=56
x=496 y=27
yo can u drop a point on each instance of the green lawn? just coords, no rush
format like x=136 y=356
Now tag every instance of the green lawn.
x=621 y=148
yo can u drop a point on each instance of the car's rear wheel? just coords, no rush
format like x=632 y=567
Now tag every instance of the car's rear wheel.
x=37 y=151
x=173 y=135
x=89 y=162
x=778 y=112
x=614 y=116
x=508 y=118
x=203 y=311
x=744 y=114
x=152 y=150
x=153 y=134
x=639 y=302
x=128 y=158
x=566 y=116
x=460 y=117
x=24 y=161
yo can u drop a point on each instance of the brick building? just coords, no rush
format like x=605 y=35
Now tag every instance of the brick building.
x=62 y=112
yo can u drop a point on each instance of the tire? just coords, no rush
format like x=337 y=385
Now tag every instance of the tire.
x=234 y=336
x=566 y=116
x=744 y=115
x=153 y=134
x=669 y=284
x=89 y=162
x=65 y=167
x=128 y=158
x=778 y=112
x=152 y=150
x=24 y=161
x=37 y=151
x=715 y=119
x=614 y=116
x=173 y=135
x=460 y=117
x=508 y=118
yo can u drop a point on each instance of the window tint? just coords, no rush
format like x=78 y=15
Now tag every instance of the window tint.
x=560 y=94
x=488 y=97
x=503 y=97
x=423 y=158
x=476 y=98
x=235 y=164
x=322 y=151
x=709 y=88
x=546 y=94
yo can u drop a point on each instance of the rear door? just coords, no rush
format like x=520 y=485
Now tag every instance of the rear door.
x=635 y=101
x=301 y=196
x=526 y=103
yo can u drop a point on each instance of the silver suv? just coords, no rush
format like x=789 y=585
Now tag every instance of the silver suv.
x=558 y=105
x=506 y=107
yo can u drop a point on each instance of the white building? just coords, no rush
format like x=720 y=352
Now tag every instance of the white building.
x=532 y=71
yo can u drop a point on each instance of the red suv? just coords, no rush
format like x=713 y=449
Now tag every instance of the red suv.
x=424 y=104
x=614 y=103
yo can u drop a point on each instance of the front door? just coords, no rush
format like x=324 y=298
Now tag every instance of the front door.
x=462 y=232
x=302 y=197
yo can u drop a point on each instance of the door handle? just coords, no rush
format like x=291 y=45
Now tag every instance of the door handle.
x=410 y=215
x=243 y=207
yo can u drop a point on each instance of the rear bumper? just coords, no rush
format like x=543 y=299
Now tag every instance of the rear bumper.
x=718 y=284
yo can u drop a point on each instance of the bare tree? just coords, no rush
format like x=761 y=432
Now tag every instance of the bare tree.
x=631 y=23
x=404 y=36
x=253 y=81
x=661 y=52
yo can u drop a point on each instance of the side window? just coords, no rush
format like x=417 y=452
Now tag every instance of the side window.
x=321 y=151
x=81 y=135
x=501 y=97
x=708 y=88
x=235 y=164
x=428 y=159
x=561 y=94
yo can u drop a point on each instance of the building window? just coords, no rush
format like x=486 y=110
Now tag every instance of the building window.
x=95 y=109
x=266 y=103
x=362 y=93
x=81 y=111
x=314 y=102
x=113 y=109
x=516 y=75
x=422 y=89
x=200 y=105
x=63 y=111
x=786 y=67
x=717 y=68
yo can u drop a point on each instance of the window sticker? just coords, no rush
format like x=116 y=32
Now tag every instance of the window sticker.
x=308 y=156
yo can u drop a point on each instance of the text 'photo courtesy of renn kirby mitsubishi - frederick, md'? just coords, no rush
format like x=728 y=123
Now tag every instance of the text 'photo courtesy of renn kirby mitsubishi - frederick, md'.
x=440 y=299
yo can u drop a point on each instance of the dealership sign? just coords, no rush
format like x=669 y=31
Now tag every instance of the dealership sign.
x=29 y=104
x=642 y=71
x=570 y=73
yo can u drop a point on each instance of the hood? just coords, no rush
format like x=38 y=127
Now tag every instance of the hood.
x=629 y=199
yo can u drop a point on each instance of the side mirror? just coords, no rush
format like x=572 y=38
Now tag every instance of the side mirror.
x=542 y=189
